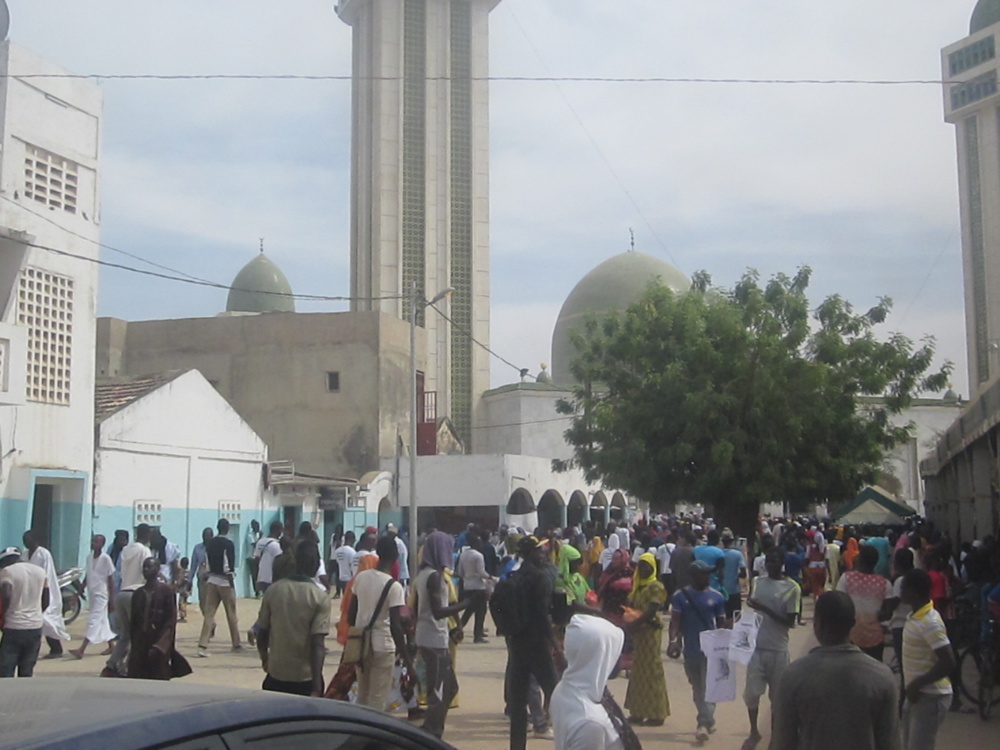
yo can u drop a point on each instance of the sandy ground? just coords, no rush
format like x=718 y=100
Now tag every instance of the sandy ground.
x=478 y=722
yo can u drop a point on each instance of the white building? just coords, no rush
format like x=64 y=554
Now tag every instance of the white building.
x=971 y=98
x=172 y=452
x=50 y=132
x=420 y=182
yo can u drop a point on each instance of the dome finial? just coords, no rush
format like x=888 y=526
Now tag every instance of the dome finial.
x=631 y=234
x=261 y=245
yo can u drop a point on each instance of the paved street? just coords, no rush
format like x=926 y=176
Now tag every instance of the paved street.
x=479 y=722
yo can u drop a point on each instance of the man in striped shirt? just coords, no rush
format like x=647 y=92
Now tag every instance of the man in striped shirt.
x=927 y=662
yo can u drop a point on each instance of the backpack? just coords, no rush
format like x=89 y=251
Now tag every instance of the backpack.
x=508 y=605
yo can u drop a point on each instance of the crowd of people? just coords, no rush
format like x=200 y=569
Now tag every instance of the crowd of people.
x=576 y=607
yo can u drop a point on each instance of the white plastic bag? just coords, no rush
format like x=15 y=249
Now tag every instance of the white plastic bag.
x=720 y=680
x=743 y=641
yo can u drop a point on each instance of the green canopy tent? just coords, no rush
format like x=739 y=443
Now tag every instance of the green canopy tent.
x=874 y=505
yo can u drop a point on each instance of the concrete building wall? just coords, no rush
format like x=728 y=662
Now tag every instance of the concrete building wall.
x=522 y=419
x=179 y=458
x=273 y=368
x=50 y=131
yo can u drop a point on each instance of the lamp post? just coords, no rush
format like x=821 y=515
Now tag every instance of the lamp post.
x=416 y=303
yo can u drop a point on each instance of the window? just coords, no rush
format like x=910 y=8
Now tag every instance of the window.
x=971 y=56
x=231 y=510
x=148 y=512
x=50 y=179
x=333 y=382
x=45 y=309
x=972 y=91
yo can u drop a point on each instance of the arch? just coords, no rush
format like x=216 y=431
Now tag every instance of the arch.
x=385 y=513
x=551 y=510
x=520 y=503
x=599 y=508
x=576 y=513
x=618 y=507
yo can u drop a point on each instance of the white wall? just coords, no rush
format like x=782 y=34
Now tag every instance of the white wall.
x=522 y=419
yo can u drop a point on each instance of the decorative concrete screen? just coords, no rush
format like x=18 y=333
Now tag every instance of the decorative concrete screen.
x=50 y=179
x=148 y=512
x=45 y=309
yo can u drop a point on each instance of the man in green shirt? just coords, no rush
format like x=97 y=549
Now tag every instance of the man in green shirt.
x=294 y=619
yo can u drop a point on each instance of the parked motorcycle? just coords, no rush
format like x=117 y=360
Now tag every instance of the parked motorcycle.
x=71 y=588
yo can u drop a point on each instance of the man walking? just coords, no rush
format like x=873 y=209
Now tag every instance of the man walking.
x=430 y=589
x=345 y=556
x=471 y=568
x=928 y=659
x=268 y=549
x=153 y=655
x=219 y=588
x=694 y=610
x=864 y=713
x=198 y=568
x=530 y=647
x=294 y=619
x=54 y=628
x=100 y=585
x=252 y=558
x=24 y=596
x=734 y=567
x=130 y=560
x=777 y=598
x=378 y=602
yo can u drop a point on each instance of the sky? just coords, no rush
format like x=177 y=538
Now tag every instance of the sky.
x=856 y=181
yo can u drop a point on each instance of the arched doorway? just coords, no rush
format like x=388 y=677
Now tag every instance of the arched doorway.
x=576 y=513
x=551 y=510
x=386 y=514
x=599 y=509
x=618 y=507
x=520 y=503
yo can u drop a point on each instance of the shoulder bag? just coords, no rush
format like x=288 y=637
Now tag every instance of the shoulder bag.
x=359 y=637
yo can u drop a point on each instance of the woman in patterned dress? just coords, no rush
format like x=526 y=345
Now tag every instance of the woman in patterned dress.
x=646 y=698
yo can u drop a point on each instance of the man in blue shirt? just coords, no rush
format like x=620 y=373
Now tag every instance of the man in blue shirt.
x=712 y=555
x=733 y=565
x=695 y=609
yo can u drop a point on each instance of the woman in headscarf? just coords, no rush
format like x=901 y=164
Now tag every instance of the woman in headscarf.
x=816 y=564
x=615 y=583
x=594 y=558
x=851 y=550
x=580 y=720
x=646 y=699
x=572 y=581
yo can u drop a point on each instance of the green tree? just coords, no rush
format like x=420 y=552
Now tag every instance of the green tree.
x=739 y=397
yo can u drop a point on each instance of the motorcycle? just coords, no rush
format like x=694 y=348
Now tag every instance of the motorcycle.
x=71 y=588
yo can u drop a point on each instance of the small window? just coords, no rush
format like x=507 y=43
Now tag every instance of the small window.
x=333 y=382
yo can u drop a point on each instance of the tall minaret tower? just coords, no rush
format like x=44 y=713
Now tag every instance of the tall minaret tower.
x=420 y=180
x=972 y=103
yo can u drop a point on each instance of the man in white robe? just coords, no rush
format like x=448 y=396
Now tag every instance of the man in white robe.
x=100 y=584
x=53 y=628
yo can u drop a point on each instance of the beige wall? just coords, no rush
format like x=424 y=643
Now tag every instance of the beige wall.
x=272 y=368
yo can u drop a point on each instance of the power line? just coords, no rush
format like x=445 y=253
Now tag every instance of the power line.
x=522 y=424
x=200 y=282
x=476 y=341
x=488 y=79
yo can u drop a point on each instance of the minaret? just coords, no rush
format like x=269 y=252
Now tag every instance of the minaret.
x=971 y=98
x=420 y=180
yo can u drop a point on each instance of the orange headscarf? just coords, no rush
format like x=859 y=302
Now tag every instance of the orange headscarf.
x=851 y=551
x=365 y=563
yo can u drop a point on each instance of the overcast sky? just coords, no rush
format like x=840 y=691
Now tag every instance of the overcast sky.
x=857 y=181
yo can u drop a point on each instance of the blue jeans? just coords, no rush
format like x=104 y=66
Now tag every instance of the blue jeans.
x=19 y=651
x=921 y=721
x=696 y=669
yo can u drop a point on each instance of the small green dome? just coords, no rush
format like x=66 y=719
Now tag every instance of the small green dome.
x=612 y=286
x=260 y=287
x=986 y=14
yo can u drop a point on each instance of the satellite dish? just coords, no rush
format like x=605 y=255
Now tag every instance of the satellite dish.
x=4 y=20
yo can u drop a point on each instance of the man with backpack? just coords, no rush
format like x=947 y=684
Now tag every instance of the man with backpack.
x=521 y=610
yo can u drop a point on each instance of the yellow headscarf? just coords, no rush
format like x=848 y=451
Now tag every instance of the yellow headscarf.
x=637 y=582
x=596 y=548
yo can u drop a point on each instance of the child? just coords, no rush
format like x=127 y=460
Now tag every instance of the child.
x=183 y=585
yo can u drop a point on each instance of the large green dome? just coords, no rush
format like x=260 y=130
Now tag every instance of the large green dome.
x=612 y=286
x=260 y=287
x=986 y=14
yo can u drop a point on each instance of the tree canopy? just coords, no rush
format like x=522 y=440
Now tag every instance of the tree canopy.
x=739 y=397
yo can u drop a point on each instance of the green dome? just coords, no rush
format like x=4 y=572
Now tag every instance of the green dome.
x=986 y=14
x=260 y=287
x=612 y=286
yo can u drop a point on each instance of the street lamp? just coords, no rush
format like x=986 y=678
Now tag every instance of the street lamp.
x=416 y=303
